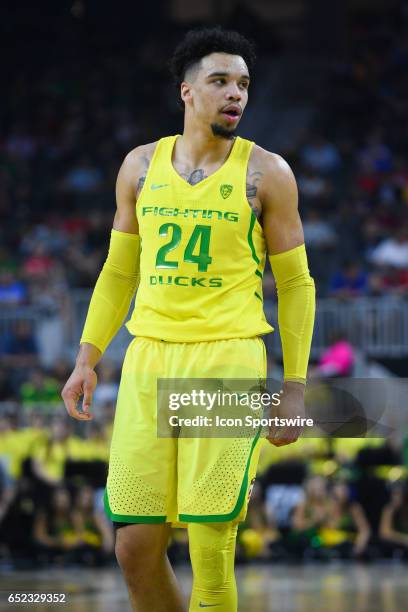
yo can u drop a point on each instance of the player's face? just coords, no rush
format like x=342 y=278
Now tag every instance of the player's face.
x=218 y=92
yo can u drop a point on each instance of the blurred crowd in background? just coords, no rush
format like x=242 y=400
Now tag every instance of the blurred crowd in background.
x=318 y=500
x=69 y=117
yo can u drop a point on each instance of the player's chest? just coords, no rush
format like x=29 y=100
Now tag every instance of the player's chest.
x=205 y=224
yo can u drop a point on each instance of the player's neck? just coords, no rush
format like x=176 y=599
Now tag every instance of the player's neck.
x=199 y=145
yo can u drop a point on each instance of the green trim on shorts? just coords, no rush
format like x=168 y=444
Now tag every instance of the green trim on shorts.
x=129 y=518
x=218 y=518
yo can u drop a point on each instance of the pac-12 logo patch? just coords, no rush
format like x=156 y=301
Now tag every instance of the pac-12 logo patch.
x=251 y=488
x=225 y=191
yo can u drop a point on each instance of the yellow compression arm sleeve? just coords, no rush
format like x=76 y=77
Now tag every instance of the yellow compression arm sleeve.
x=114 y=289
x=296 y=310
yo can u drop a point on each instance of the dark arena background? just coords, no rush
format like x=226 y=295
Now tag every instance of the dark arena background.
x=84 y=82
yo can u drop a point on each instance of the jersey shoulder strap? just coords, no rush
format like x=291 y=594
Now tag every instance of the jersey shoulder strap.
x=159 y=170
x=241 y=150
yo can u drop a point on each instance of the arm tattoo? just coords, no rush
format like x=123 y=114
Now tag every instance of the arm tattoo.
x=140 y=184
x=255 y=210
x=252 y=190
x=145 y=161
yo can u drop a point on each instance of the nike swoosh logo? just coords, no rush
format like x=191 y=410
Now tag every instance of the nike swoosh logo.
x=154 y=186
x=203 y=605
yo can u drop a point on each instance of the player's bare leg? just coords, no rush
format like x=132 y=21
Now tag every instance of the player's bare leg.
x=141 y=551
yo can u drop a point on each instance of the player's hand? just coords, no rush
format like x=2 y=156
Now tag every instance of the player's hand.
x=292 y=405
x=81 y=382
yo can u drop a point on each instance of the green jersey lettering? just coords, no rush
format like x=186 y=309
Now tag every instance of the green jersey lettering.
x=201 y=233
x=164 y=229
x=198 y=281
x=200 y=238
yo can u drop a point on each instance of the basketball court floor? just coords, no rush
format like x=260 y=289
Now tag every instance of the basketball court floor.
x=334 y=587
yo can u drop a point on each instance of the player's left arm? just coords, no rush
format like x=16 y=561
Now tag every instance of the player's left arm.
x=295 y=288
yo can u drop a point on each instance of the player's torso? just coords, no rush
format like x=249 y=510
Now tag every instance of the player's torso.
x=202 y=252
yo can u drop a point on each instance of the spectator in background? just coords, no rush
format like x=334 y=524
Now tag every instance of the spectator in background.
x=347 y=226
x=54 y=531
x=38 y=264
x=7 y=390
x=258 y=533
x=393 y=251
x=389 y=282
x=50 y=454
x=49 y=294
x=387 y=217
x=16 y=525
x=337 y=360
x=50 y=239
x=308 y=516
x=19 y=348
x=20 y=144
x=8 y=261
x=345 y=529
x=320 y=155
x=97 y=230
x=319 y=234
x=13 y=292
x=39 y=389
x=393 y=528
x=95 y=533
x=375 y=156
x=85 y=177
x=313 y=187
x=6 y=431
x=372 y=233
x=81 y=262
x=321 y=240
x=350 y=282
x=96 y=447
x=16 y=445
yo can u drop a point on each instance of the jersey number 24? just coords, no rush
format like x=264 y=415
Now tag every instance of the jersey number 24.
x=199 y=241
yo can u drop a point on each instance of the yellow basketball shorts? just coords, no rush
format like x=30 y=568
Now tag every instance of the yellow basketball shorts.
x=156 y=480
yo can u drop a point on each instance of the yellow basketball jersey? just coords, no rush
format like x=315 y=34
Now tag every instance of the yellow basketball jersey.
x=202 y=253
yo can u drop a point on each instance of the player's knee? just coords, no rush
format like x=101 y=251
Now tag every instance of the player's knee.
x=136 y=547
x=210 y=567
x=212 y=556
x=126 y=553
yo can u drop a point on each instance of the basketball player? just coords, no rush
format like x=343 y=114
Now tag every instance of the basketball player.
x=209 y=208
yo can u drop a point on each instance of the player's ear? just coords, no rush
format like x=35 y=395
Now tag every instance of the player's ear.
x=185 y=92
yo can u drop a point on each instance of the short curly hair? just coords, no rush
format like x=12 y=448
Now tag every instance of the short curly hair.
x=200 y=42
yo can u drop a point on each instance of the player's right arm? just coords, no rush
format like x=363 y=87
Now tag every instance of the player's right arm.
x=115 y=287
